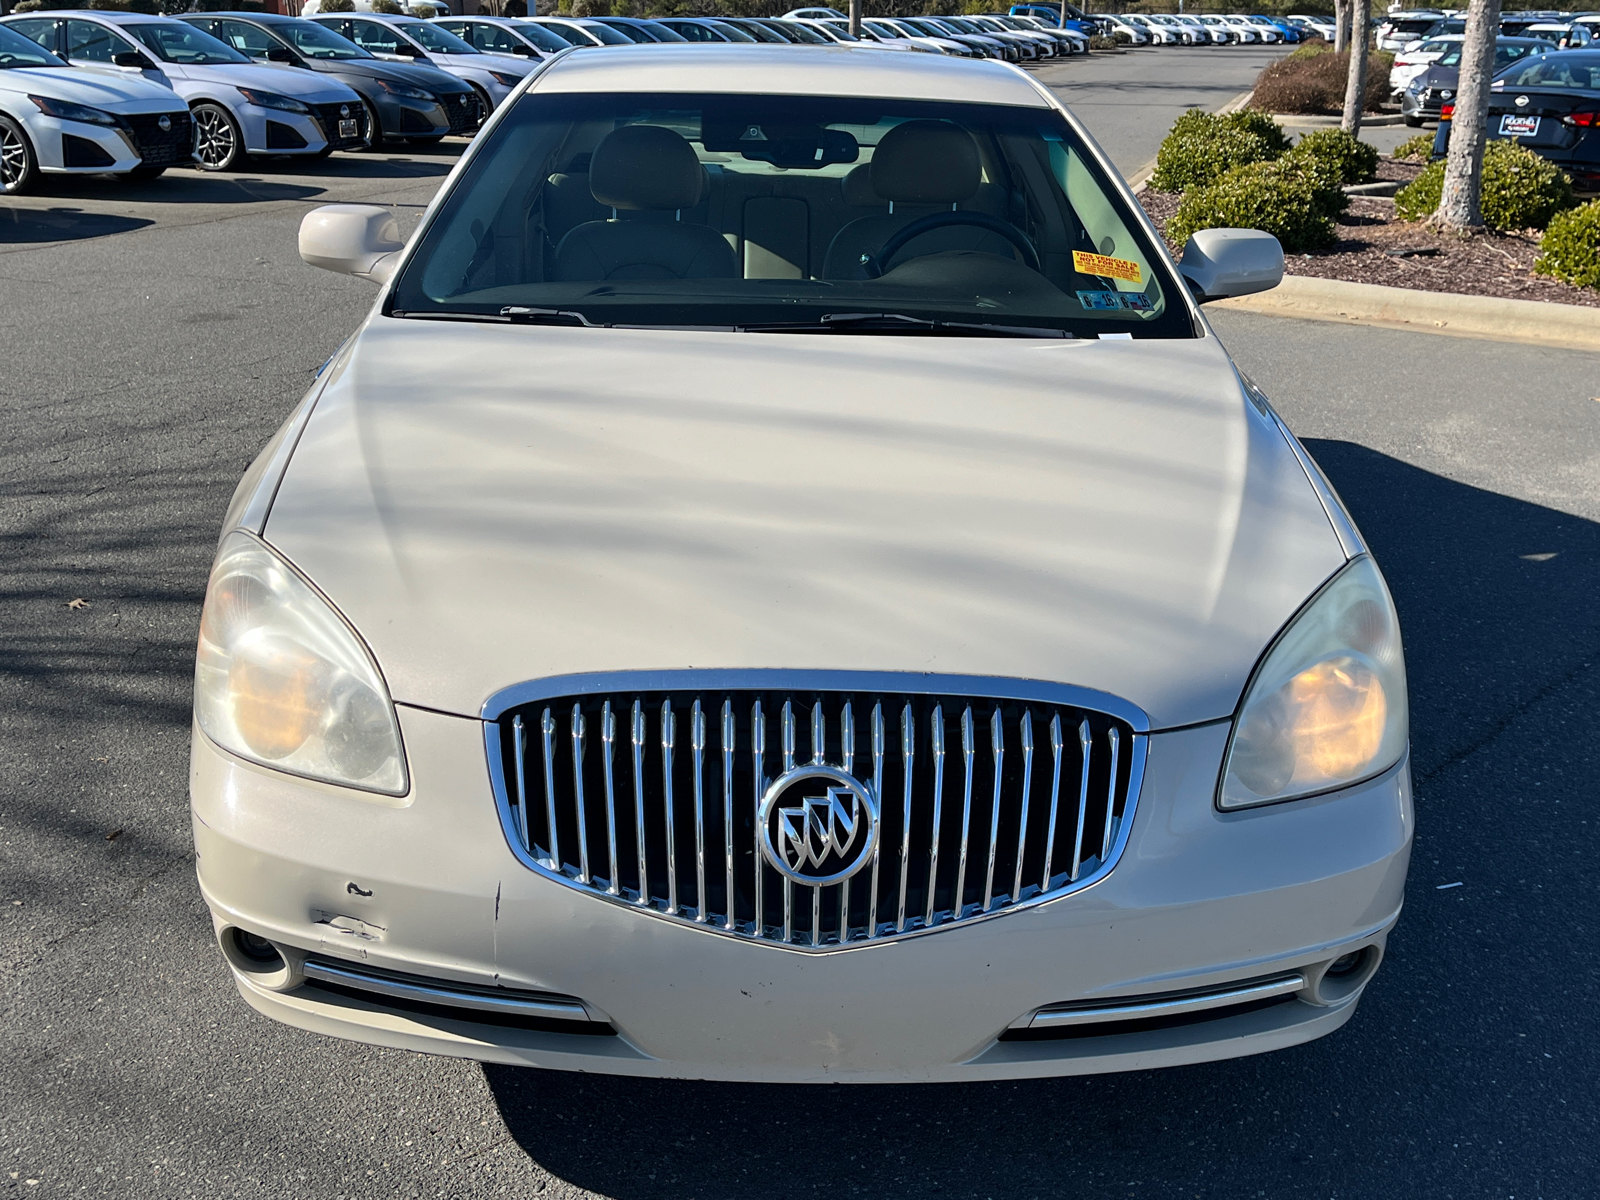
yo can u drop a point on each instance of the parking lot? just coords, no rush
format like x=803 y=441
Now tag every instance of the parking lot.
x=156 y=335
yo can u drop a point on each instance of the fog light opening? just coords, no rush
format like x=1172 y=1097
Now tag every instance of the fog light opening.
x=262 y=961
x=1341 y=978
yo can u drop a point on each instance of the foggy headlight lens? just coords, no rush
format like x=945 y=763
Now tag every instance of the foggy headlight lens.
x=1327 y=707
x=282 y=680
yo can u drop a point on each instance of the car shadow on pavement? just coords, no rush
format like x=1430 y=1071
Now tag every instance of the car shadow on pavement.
x=175 y=187
x=24 y=225
x=1473 y=1034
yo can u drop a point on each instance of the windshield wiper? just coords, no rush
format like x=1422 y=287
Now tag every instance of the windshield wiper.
x=879 y=322
x=546 y=316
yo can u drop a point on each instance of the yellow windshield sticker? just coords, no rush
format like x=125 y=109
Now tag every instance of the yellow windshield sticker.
x=1106 y=268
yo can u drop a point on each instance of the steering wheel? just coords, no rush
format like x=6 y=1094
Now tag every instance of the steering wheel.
x=873 y=264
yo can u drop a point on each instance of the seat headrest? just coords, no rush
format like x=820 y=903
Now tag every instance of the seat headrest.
x=645 y=167
x=926 y=162
x=857 y=188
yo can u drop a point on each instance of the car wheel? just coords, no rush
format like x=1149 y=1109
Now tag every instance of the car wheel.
x=1414 y=122
x=374 y=128
x=218 y=138
x=485 y=105
x=143 y=173
x=19 y=169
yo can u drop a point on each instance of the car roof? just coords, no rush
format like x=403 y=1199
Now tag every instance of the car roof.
x=776 y=70
x=113 y=18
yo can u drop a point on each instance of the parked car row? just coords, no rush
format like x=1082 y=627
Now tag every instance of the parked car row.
x=1435 y=84
x=1406 y=31
x=1210 y=29
x=229 y=85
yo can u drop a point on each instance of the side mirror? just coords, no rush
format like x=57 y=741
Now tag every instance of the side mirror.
x=279 y=54
x=525 y=50
x=1218 y=263
x=133 y=59
x=352 y=239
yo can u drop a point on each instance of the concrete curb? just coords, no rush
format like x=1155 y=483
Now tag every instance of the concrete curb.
x=1532 y=322
x=1335 y=122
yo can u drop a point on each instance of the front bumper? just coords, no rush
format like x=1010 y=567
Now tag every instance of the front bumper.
x=427 y=886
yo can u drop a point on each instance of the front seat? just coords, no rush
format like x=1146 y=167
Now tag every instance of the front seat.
x=646 y=175
x=920 y=168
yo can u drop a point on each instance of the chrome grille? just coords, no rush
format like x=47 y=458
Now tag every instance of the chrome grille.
x=650 y=797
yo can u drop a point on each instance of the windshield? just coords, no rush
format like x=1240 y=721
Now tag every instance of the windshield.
x=546 y=38
x=607 y=35
x=441 y=41
x=1576 y=69
x=1503 y=53
x=185 y=45
x=314 y=41
x=816 y=213
x=17 y=52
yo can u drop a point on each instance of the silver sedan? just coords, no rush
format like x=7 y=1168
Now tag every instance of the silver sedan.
x=785 y=585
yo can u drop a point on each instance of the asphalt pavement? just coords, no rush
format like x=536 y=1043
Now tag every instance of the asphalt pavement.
x=154 y=337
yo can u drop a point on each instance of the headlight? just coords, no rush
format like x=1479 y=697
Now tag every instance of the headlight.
x=505 y=80
x=401 y=89
x=1417 y=84
x=1327 y=706
x=65 y=110
x=272 y=100
x=282 y=680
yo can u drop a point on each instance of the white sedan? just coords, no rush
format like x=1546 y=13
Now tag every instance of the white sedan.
x=1416 y=59
x=240 y=107
x=785 y=585
x=56 y=119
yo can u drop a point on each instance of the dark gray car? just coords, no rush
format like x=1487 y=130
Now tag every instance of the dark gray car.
x=1437 y=85
x=416 y=102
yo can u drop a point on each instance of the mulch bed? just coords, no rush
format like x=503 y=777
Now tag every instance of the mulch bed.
x=1484 y=264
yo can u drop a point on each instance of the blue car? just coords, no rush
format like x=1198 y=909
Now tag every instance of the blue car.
x=1291 y=32
x=1077 y=19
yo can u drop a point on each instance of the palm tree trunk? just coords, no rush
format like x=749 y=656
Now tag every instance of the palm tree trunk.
x=1355 y=88
x=1460 y=206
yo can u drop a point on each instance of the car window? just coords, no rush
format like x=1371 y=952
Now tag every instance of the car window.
x=88 y=42
x=493 y=38
x=691 y=31
x=602 y=205
x=17 y=51
x=185 y=45
x=318 y=41
x=246 y=39
x=1578 y=69
x=377 y=38
x=40 y=30
x=664 y=33
x=440 y=41
x=734 y=34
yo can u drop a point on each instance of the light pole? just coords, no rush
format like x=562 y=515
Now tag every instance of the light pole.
x=855 y=18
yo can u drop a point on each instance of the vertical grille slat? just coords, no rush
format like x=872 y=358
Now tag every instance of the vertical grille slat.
x=689 y=846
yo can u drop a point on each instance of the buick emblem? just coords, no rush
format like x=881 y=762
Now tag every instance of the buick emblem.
x=818 y=824
x=1521 y=102
x=165 y=122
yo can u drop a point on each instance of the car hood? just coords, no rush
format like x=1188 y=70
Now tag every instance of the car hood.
x=414 y=74
x=123 y=94
x=504 y=63
x=490 y=504
x=308 y=86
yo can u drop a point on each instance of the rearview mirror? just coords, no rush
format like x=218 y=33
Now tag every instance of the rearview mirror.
x=352 y=239
x=133 y=59
x=1218 y=263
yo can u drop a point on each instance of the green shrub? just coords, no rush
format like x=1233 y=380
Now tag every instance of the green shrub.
x=391 y=7
x=1295 y=200
x=1520 y=189
x=1419 y=148
x=1100 y=41
x=1202 y=147
x=333 y=6
x=1352 y=159
x=1570 y=248
x=27 y=6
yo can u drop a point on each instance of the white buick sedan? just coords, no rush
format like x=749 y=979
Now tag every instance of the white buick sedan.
x=785 y=585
